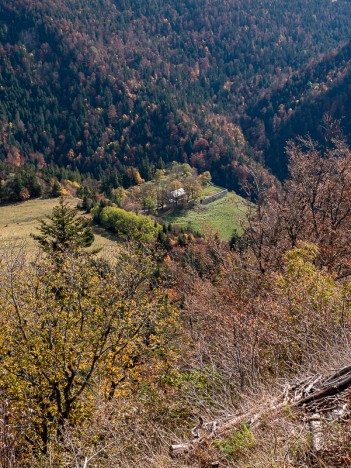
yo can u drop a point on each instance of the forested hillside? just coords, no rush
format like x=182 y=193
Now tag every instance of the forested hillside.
x=307 y=103
x=103 y=85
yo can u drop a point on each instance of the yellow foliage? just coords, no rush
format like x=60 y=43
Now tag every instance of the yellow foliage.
x=138 y=178
x=64 y=192
x=68 y=333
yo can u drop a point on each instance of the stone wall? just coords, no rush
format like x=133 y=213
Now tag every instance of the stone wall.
x=215 y=196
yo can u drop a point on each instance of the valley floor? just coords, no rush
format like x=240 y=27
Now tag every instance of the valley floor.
x=18 y=221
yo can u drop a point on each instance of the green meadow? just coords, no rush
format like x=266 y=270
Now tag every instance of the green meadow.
x=221 y=216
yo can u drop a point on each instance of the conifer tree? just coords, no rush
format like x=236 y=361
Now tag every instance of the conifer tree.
x=64 y=230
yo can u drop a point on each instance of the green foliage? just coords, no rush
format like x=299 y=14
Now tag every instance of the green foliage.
x=64 y=230
x=188 y=381
x=301 y=279
x=19 y=185
x=55 y=189
x=305 y=303
x=127 y=225
x=221 y=216
x=235 y=444
x=236 y=242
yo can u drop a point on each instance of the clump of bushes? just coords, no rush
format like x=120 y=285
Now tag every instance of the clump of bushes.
x=128 y=225
x=237 y=443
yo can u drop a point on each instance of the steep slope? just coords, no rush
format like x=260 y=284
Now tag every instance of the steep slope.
x=109 y=84
x=303 y=106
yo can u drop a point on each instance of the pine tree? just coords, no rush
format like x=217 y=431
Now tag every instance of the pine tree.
x=64 y=230
x=55 y=190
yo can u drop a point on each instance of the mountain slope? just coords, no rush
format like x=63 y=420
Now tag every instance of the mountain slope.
x=109 y=84
x=321 y=92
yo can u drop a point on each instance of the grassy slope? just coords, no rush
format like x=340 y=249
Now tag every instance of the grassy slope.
x=19 y=220
x=222 y=216
x=211 y=190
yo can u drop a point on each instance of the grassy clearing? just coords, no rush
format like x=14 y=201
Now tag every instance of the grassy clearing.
x=211 y=190
x=221 y=216
x=18 y=221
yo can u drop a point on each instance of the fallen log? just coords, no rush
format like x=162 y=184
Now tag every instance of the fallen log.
x=330 y=389
x=334 y=384
x=339 y=373
x=177 y=450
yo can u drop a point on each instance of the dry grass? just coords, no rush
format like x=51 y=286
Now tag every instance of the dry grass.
x=282 y=438
x=18 y=221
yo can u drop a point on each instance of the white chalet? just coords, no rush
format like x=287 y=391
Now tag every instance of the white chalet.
x=177 y=194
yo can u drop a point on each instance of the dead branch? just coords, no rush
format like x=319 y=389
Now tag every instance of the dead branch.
x=311 y=393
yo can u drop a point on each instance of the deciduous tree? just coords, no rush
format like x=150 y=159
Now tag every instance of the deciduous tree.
x=67 y=334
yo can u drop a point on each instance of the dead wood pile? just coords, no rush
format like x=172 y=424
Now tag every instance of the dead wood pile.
x=317 y=396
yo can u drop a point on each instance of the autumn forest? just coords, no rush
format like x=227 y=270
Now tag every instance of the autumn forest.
x=186 y=299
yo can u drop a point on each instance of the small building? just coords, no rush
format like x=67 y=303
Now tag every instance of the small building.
x=177 y=195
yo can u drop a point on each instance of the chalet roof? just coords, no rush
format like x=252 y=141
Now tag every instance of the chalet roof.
x=178 y=193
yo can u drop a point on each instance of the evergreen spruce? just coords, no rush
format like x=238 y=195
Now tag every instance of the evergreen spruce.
x=64 y=230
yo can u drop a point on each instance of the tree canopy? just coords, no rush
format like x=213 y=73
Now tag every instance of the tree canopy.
x=64 y=230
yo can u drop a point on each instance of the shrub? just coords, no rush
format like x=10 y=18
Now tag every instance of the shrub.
x=236 y=443
x=127 y=225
